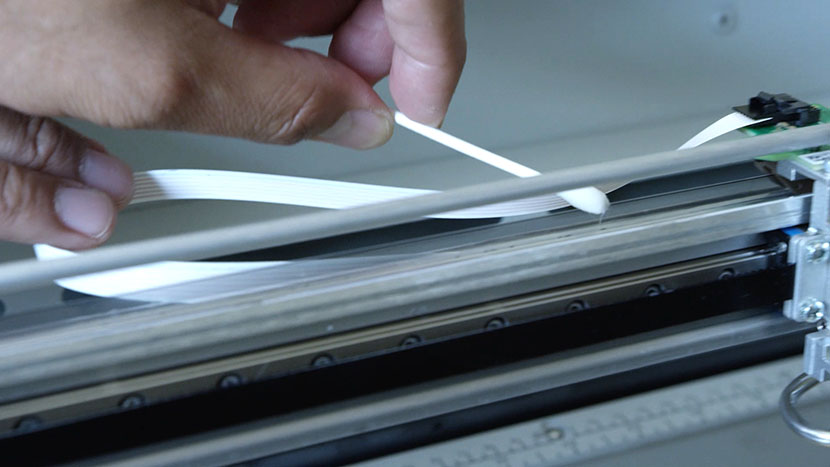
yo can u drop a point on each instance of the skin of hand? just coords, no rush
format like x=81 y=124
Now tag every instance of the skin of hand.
x=170 y=64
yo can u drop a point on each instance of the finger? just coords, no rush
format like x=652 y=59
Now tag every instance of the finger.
x=363 y=42
x=283 y=20
x=213 y=8
x=170 y=66
x=430 y=51
x=245 y=87
x=45 y=145
x=40 y=208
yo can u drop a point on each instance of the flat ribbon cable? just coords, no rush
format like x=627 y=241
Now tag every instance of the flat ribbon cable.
x=182 y=184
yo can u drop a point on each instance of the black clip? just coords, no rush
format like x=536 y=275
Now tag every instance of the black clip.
x=779 y=108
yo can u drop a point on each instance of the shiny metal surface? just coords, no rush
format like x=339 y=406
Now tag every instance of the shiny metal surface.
x=113 y=346
x=25 y=274
x=257 y=366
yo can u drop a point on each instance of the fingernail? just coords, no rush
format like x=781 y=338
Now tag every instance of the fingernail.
x=106 y=173
x=89 y=212
x=359 y=129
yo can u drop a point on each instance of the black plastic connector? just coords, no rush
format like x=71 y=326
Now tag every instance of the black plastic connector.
x=779 y=108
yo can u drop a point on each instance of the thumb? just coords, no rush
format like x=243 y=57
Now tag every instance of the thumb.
x=245 y=87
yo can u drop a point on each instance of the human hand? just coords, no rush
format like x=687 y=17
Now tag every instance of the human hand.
x=169 y=64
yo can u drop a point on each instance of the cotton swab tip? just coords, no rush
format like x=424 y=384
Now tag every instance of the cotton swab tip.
x=588 y=199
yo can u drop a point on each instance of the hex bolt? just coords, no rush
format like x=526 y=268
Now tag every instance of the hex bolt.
x=230 y=380
x=653 y=290
x=495 y=323
x=322 y=360
x=811 y=310
x=27 y=424
x=132 y=401
x=816 y=251
x=576 y=305
x=409 y=341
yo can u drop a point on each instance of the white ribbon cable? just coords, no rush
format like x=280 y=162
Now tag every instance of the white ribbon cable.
x=731 y=122
x=180 y=184
x=177 y=184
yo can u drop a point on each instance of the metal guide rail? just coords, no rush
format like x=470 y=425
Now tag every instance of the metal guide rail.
x=84 y=402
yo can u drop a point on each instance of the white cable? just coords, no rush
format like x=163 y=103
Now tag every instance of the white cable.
x=177 y=281
x=731 y=122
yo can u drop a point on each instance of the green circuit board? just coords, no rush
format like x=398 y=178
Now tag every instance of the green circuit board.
x=824 y=117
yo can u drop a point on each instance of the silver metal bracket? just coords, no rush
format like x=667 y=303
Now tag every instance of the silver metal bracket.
x=810 y=252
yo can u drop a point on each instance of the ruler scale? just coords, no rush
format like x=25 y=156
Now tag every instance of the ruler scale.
x=618 y=425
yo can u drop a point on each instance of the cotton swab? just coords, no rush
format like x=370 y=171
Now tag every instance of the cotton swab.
x=588 y=199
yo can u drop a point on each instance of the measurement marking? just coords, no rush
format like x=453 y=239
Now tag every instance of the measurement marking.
x=616 y=425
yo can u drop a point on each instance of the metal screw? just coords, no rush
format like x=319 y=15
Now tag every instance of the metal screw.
x=576 y=305
x=811 y=310
x=816 y=251
x=28 y=423
x=653 y=290
x=132 y=401
x=495 y=323
x=727 y=273
x=230 y=380
x=411 y=340
x=322 y=360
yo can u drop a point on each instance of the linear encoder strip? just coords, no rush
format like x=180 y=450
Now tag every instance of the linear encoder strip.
x=183 y=184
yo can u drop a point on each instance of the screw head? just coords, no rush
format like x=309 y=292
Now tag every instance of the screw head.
x=495 y=323
x=322 y=360
x=816 y=251
x=653 y=290
x=27 y=424
x=409 y=341
x=576 y=305
x=132 y=401
x=230 y=380
x=811 y=310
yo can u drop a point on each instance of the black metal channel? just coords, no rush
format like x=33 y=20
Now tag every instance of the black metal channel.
x=175 y=419
x=467 y=422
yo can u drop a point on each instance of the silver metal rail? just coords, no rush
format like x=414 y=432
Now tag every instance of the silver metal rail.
x=25 y=274
x=119 y=345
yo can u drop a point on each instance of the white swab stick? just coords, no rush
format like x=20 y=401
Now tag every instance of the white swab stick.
x=464 y=147
x=587 y=199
